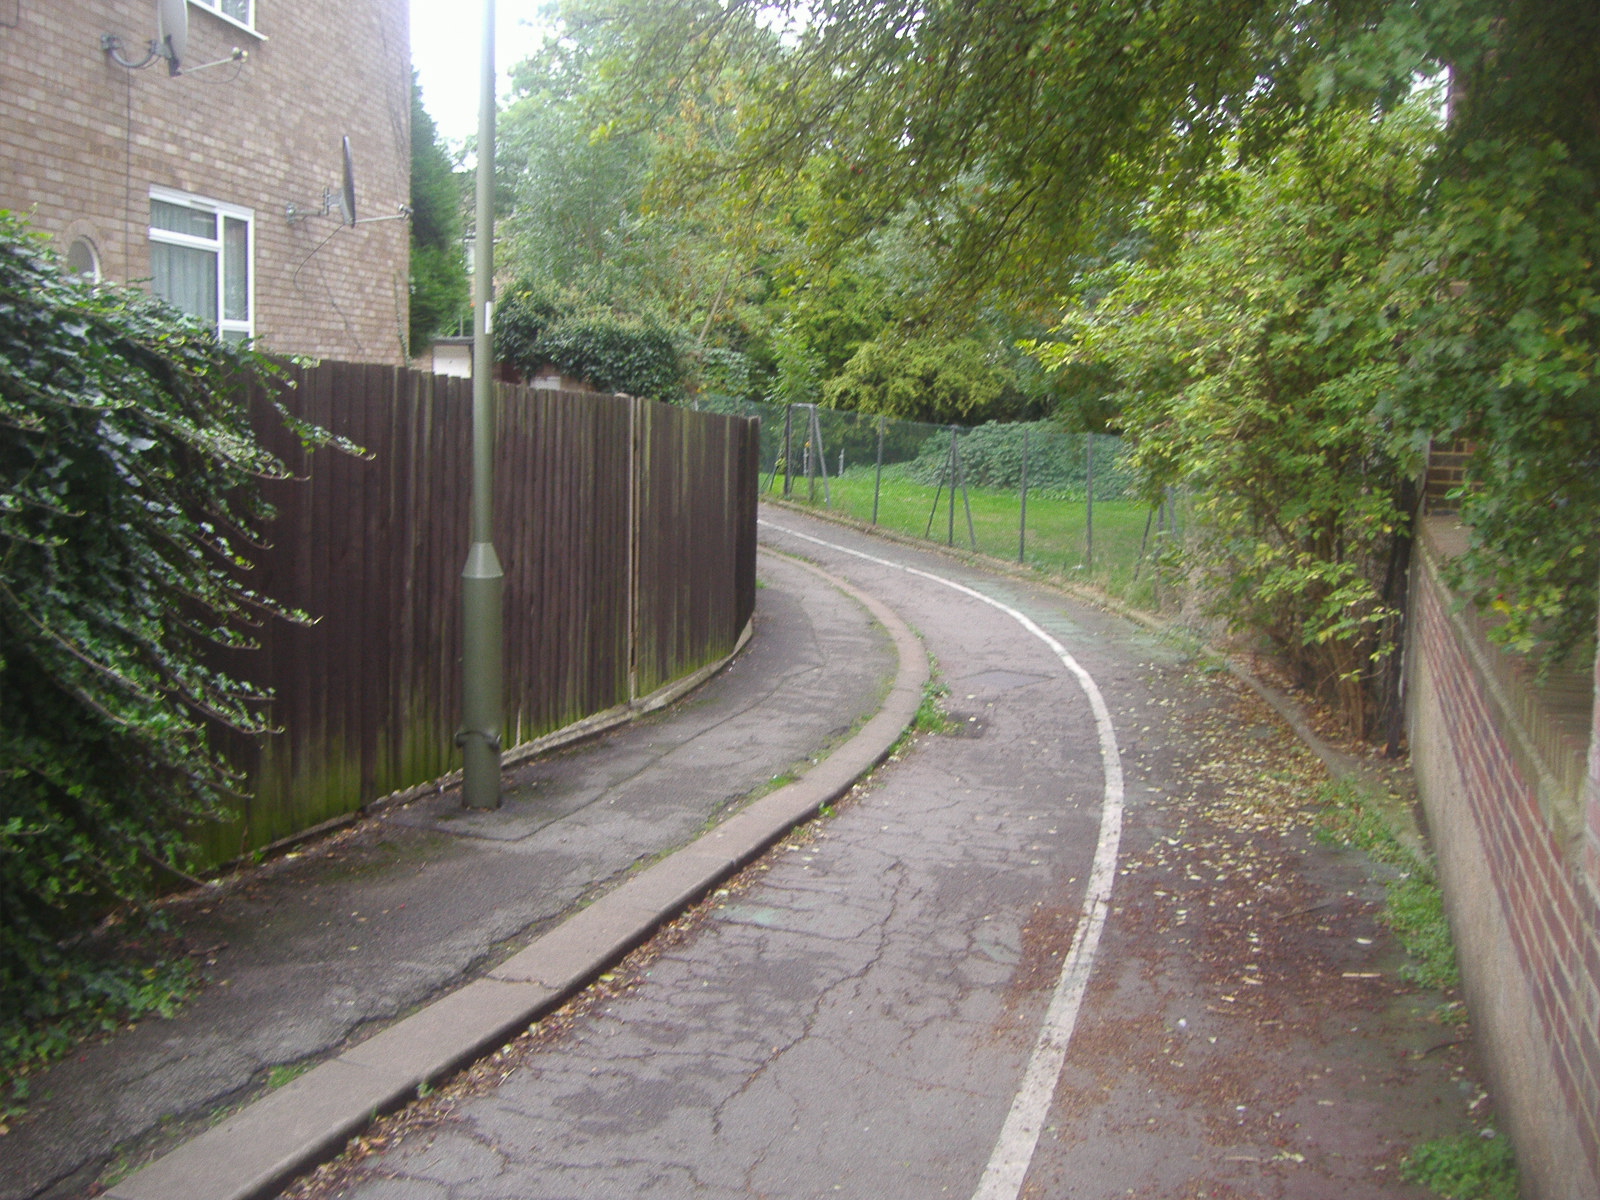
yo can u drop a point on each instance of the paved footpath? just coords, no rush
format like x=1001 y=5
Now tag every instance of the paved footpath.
x=1054 y=952
x=315 y=957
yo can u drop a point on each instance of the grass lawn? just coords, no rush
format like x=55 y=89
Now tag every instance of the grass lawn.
x=1056 y=535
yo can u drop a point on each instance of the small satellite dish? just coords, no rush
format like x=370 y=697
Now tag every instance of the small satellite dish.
x=170 y=43
x=172 y=32
x=347 y=190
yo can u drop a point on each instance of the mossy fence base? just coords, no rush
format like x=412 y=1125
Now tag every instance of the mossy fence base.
x=628 y=534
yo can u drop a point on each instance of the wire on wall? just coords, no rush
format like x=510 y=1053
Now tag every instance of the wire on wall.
x=127 y=182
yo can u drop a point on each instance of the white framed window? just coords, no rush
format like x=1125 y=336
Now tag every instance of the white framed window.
x=241 y=12
x=202 y=255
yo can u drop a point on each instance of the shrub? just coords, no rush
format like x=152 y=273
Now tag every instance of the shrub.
x=128 y=472
x=991 y=456
x=615 y=352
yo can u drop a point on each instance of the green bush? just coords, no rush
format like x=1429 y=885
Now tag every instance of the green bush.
x=992 y=454
x=920 y=378
x=615 y=352
x=128 y=493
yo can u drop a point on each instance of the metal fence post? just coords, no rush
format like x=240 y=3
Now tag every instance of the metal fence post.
x=822 y=460
x=788 y=451
x=1022 y=522
x=877 y=479
x=950 y=540
x=1088 y=513
x=966 y=499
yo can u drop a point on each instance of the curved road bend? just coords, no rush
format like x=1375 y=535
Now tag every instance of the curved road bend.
x=885 y=1009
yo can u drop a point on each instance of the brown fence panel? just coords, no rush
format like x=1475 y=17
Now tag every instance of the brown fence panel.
x=562 y=533
x=695 y=498
x=369 y=549
x=367 y=694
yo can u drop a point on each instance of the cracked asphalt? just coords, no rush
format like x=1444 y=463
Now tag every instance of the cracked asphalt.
x=859 y=1013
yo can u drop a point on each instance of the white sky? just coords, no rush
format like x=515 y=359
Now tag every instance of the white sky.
x=446 y=43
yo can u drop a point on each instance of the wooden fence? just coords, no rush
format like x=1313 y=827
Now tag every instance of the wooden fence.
x=627 y=530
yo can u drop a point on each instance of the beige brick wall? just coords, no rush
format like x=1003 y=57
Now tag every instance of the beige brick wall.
x=83 y=140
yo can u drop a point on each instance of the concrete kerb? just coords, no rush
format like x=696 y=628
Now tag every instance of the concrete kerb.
x=257 y=1150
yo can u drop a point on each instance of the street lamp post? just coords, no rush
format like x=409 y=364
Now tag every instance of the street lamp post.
x=482 y=579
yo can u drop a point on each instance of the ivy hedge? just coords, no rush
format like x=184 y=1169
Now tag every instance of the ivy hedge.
x=128 y=501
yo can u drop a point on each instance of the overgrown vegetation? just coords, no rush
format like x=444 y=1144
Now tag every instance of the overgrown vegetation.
x=1415 y=906
x=128 y=504
x=1251 y=363
x=1282 y=271
x=1468 y=1166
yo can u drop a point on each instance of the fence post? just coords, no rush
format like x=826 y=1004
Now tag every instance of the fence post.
x=822 y=460
x=966 y=500
x=788 y=449
x=1022 y=523
x=938 y=491
x=1088 y=512
x=1144 y=543
x=811 y=449
x=877 y=478
x=950 y=540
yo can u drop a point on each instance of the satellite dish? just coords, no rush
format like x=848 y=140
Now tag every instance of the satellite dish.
x=347 y=191
x=172 y=31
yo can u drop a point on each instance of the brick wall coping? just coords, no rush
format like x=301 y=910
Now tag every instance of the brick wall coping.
x=1547 y=722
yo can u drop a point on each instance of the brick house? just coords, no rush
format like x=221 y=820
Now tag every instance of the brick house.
x=213 y=185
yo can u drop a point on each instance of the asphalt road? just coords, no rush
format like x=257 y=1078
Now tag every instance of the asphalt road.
x=330 y=944
x=1072 y=947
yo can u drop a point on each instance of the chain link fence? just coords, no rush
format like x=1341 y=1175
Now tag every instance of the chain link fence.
x=1024 y=491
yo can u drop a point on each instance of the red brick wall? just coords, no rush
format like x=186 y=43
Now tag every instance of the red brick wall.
x=1515 y=832
x=1447 y=470
x=1591 y=840
x=82 y=141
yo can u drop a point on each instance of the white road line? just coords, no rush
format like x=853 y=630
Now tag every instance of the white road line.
x=1008 y=1165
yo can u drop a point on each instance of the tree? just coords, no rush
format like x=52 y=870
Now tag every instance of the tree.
x=1010 y=136
x=438 y=263
x=572 y=202
x=921 y=379
x=1502 y=348
x=1252 y=363
x=580 y=217
x=128 y=503
x=1019 y=145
